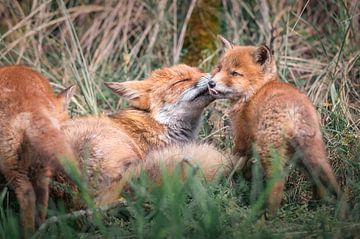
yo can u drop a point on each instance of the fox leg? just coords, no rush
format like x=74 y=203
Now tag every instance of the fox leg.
x=276 y=182
x=319 y=191
x=273 y=167
x=275 y=196
x=41 y=187
x=242 y=148
x=26 y=197
x=16 y=174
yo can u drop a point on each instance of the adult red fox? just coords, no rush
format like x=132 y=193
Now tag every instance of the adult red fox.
x=273 y=116
x=30 y=116
x=167 y=108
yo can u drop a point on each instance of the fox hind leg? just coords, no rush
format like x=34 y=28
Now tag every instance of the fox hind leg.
x=26 y=197
x=272 y=162
x=275 y=196
x=41 y=186
x=15 y=172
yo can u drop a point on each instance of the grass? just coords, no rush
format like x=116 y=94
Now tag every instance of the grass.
x=91 y=42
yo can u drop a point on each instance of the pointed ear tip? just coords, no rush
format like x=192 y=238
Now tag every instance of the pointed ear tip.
x=222 y=38
x=67 y=92
x=265 y=46
x=69 y=88
x=226 y=43
x=115 y=87
x=72 y=87
x=109 y=84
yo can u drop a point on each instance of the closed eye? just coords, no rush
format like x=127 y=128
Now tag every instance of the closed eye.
x=234 y=73
x=183 y=80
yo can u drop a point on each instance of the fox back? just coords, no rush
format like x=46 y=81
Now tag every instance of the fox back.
x=274 y=116
x=25 y=90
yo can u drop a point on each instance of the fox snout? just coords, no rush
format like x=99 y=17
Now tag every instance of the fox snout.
x=211 y=84
x=204 y=81
x=211 y=88
x=219 y=90
x=199 y=91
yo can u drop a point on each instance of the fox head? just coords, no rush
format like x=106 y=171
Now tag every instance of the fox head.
x=175 y=93
x=241 y=71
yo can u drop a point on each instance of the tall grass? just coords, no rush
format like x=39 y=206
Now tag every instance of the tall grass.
x=91 y=42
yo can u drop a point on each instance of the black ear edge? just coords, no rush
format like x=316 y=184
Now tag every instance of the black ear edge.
x=67 y=93
x=268 y=48
x=262 y=54
x=113 y=86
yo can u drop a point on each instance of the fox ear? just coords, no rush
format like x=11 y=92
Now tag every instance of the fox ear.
x=66 y=95
x=136 y=92
x=227 y=45
x=264 y=57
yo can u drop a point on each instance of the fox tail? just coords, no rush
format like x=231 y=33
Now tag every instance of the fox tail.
x=209 y=162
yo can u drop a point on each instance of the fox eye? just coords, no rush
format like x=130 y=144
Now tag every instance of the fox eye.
x=183 y=80
x=234 y=73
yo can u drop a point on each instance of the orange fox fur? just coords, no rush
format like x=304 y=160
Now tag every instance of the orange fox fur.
x=209 y=163
x=271 y=115
x=167 y=110
x=30 y=116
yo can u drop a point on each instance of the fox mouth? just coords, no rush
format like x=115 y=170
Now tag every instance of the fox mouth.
x=204 y=92
x=213 y=92
x=217 y=93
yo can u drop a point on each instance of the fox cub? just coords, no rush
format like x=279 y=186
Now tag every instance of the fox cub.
x=30 y=116
x=273 y=116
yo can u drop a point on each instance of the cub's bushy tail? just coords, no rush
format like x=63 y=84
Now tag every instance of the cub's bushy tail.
x=315 y=162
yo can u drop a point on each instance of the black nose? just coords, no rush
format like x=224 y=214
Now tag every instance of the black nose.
x=211 y=84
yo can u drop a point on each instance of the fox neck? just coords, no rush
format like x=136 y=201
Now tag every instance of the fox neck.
x=181 y=129
x=151 y=133
x=182 y=123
